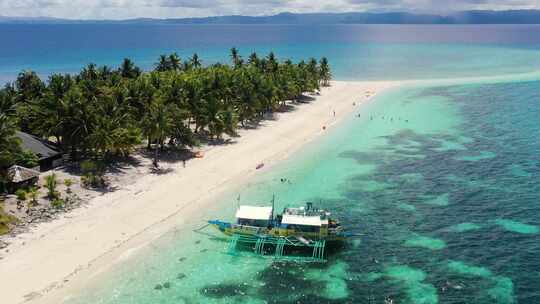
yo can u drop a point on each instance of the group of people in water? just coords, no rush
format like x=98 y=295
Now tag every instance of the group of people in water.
x=285 y=180
x=370 y=117
x=391 y=118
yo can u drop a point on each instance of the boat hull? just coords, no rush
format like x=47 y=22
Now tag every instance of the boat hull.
x=232 y=229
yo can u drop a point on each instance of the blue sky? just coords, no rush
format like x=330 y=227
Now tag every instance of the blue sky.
x=123 y=9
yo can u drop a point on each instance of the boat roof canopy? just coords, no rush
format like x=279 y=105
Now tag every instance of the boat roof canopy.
x=254 y=213
x=291 y=219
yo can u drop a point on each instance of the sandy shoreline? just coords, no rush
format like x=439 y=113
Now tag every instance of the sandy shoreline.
x=56 y=258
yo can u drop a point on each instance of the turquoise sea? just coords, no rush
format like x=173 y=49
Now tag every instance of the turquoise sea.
x=441 y=178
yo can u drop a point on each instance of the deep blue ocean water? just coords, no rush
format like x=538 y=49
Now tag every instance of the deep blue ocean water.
x=355 y=51
x=441 y=179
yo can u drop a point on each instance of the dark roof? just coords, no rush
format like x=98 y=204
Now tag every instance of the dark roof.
x=42 y=148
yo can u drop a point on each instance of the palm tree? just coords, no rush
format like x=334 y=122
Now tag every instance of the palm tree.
x=100 y=111
x=163 y=64
x=272 y=64
x=90 y=73
x=236 y=59
x=70 y=118
x=128 y=69
x=195 y=61
x=7 y=100
x=175 y=62
x=9 y=144
x=60 y=84
x=325 y=74
x=112 y=129
x=253 y=59
x=180 y=133
x=157 y=124
x=104 y=72
x=29 y=86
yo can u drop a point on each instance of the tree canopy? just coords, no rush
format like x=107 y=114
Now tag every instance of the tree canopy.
x=103 y=111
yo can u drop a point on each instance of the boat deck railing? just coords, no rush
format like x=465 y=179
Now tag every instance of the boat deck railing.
x=279 y=243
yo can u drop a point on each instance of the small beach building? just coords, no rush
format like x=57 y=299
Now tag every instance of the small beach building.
x=20 y=177
x=47 y=152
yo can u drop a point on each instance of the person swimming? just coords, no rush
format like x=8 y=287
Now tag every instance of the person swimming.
x=285 y=180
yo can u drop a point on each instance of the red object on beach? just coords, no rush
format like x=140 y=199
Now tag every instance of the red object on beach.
x=199 y=154
x=259 y=166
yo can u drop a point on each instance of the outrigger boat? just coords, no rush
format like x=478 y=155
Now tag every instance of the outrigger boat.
x=303 y=227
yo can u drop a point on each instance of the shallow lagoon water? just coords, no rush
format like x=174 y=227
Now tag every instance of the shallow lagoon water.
x=379 y=175
x=441 y=181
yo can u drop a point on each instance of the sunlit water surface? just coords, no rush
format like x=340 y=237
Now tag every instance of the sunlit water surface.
x=441 y=181
x=443 y=184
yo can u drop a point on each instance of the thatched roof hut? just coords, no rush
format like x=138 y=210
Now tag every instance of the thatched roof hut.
x=21 y=177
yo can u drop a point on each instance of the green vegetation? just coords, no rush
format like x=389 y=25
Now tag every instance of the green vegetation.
x=26 y=159
x=102 y=112
x=93 y=174
x=58 y=203
x=9 y=144
x=50 y=184
x=6 y=220
x=34 y=194
x=68 y=182
x=21 y=195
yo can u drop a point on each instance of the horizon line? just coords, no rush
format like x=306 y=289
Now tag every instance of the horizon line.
x=4 y=18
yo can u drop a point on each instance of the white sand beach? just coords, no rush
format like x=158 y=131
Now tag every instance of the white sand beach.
x=55 y=258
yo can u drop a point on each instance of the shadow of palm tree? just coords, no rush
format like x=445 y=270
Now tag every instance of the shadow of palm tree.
x=161 y=171
x=305 y=99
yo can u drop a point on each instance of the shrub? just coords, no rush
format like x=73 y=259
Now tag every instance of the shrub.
x=51 y=184
x=93 y=174
x=68 y=182
x=27 y=159
x=34 y=194
x=21 y=195
x=89 y=166
x=91 y=180
x=58 y=203
x=6 y=220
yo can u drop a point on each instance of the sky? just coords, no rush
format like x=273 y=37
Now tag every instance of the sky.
x=125 y=9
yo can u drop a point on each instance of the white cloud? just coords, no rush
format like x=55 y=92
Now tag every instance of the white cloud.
x=122 y=9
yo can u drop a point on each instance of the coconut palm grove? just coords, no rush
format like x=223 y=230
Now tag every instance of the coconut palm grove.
x=103 y=112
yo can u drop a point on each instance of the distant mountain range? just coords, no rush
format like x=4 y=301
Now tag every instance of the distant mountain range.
x=464 y=17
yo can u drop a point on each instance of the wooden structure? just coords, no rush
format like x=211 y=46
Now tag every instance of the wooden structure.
x=20 y=177
x=49 y=156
